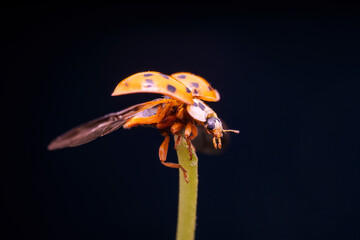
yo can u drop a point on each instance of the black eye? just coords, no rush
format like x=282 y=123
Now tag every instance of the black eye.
x=210 y=123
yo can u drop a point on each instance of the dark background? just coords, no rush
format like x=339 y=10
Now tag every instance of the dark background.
x=288 y=76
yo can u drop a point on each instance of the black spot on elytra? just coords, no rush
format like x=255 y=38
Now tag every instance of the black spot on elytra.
x=196 y=92
x=164 y=76
x=126 y=84
x=201 y=106
x=148 y=74
x=194 y=84
x=188 y=90
x=149 y=82
x=210 y=88
x=182 y=76
x=171 y=88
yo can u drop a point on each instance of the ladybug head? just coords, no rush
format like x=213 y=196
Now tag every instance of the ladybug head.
x=214 y=127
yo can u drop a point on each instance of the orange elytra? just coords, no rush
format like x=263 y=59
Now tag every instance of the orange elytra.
x=199 y=87
x=154 y=82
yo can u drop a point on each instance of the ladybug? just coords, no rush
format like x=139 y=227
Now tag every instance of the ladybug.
x=181 y=108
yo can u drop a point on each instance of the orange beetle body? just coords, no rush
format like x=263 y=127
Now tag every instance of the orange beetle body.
x=181 y=109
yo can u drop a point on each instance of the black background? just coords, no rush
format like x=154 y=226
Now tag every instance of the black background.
x=288 y=76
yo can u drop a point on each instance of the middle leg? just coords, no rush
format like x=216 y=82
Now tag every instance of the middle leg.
x=176 y=130
x=190 y=133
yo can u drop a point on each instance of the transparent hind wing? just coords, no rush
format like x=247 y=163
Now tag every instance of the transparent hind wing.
x=86 y=132
x=99 y=127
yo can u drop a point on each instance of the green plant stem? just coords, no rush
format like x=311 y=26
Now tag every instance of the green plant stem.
x=187 y=192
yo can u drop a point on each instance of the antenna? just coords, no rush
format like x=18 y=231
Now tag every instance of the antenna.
x=230 y=130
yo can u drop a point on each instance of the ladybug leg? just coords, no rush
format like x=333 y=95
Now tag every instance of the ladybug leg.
x=176 y=129
x=188 y=131
x=194 y=132
x=164 y=148
x=217 y=142
x=180 y=113
x=163 y=154
x=214 y=142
